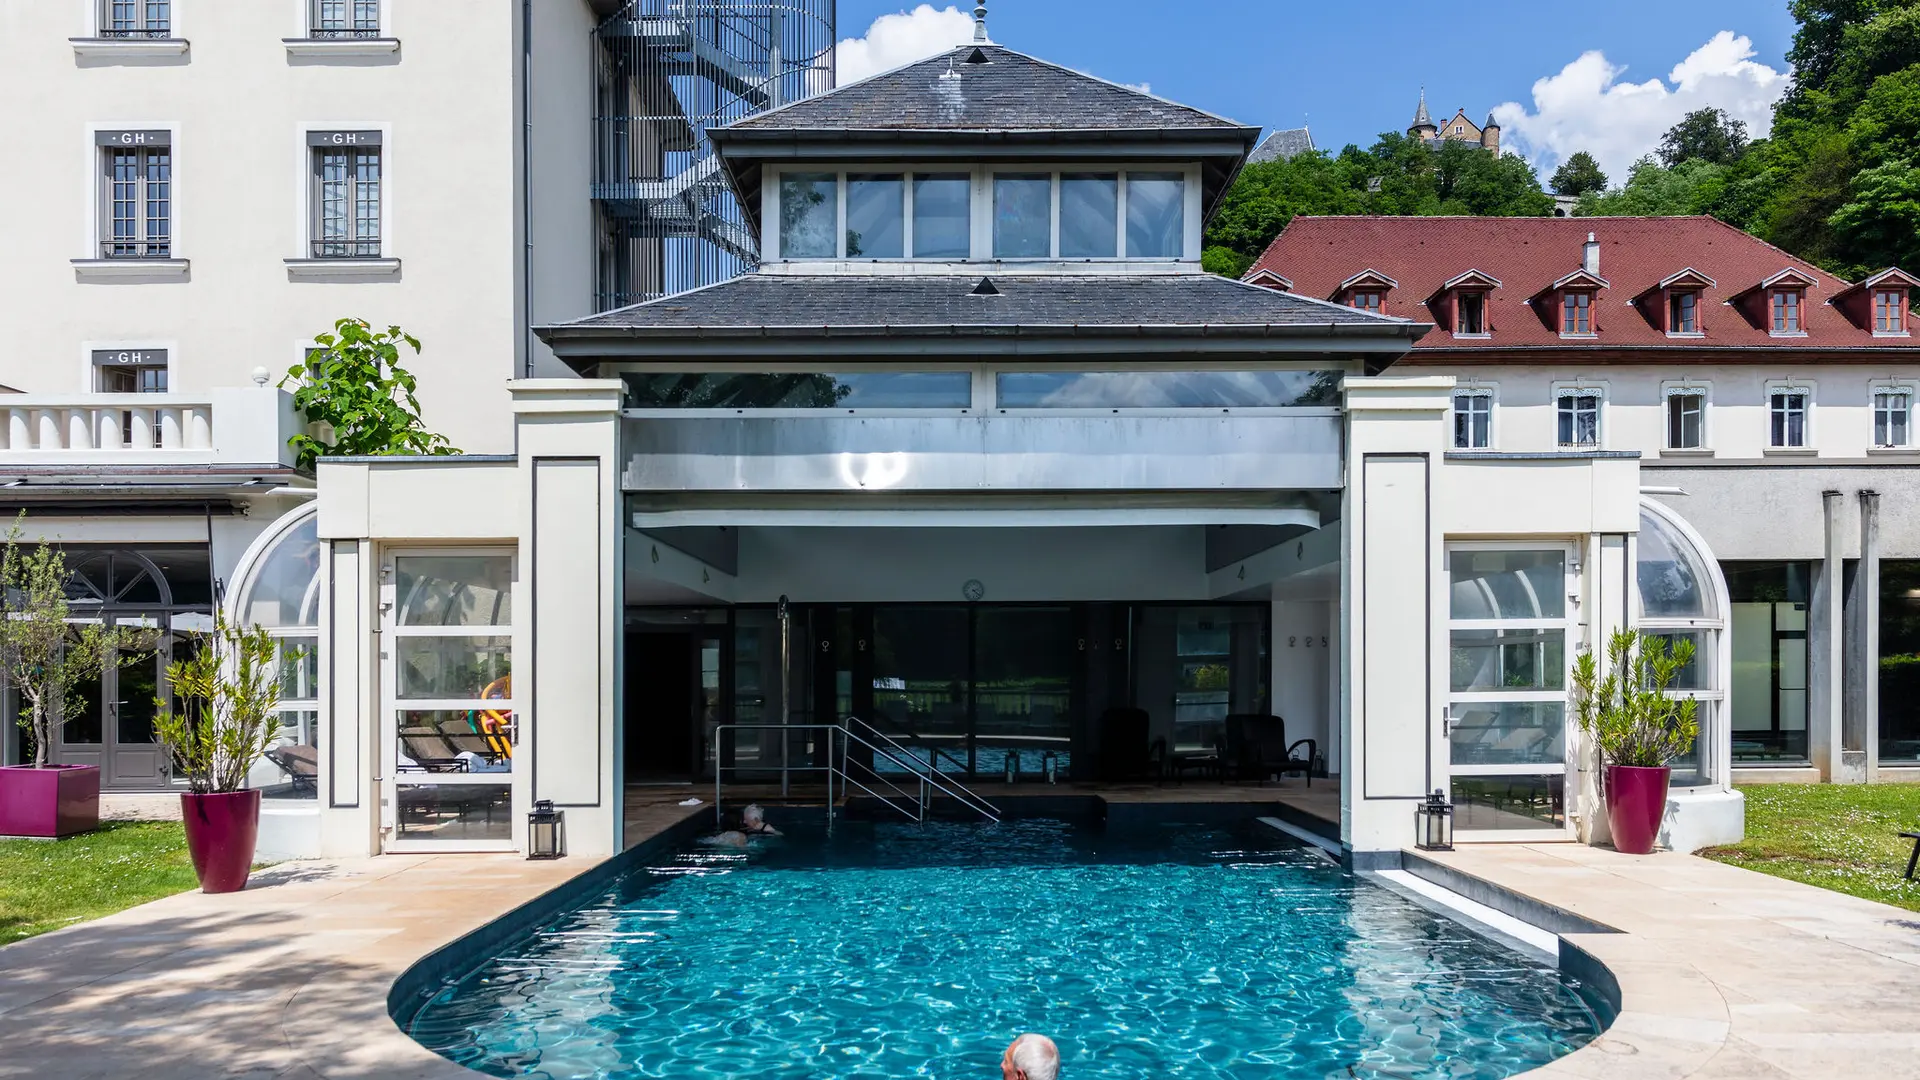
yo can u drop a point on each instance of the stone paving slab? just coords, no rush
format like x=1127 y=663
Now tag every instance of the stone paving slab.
x=1726 y=974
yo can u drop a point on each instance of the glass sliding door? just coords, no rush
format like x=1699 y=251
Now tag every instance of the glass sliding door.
x=922 y=683
x=1768 y=687
x=451 y=727
x=1506 y=727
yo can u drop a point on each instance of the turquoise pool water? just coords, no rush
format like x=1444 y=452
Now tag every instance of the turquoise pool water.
x=919 y=951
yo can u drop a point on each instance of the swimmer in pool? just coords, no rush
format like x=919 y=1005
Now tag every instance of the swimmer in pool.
x=753 y=824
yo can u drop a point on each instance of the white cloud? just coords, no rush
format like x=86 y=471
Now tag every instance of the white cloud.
x=1587 y=107
x=901 y=38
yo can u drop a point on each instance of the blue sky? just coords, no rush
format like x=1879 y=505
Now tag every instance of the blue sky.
x=1351 y=70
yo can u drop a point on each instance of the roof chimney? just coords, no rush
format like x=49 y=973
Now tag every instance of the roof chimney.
x=980 y=23
x=1591 y=259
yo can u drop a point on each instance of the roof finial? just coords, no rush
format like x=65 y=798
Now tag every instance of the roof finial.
x=980 y=23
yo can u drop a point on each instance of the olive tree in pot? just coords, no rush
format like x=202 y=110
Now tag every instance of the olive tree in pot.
x=47 y=654
x=222 y=719
x=1637 y=727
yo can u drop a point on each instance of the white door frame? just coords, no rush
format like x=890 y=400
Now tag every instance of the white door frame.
x=1570 y=622
x=391 y=705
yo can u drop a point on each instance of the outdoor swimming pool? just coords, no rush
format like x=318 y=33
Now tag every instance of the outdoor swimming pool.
x=919 y=951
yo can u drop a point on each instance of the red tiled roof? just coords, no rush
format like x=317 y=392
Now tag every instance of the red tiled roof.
x=1527 y=255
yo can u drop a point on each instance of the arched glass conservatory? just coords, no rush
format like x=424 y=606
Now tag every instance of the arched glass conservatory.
x=279 y=589
x=1681 y=596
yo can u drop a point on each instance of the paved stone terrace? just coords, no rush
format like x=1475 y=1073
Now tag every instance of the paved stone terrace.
x=1725 y=974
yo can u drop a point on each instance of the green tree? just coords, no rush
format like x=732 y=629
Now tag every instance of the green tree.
x=1578 y=175
x=227 y=692
x=1692 y=187
x=1886 y=126
x=1879 y=225
x=353 y=384
x=46 y=654
x=1710 y=135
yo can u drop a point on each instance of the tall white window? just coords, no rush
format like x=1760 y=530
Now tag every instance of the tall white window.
x=1893 y=416
x=136 y=194
x=343 y=18
x=346 y=220
x=136 y=18
x=1578 y=419
x=1686 y=417
x=1679 y=602
x=1787 y=412
x=1473 y=419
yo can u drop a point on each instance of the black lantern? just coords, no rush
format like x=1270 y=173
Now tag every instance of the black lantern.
x=544 y=825
x=1433 y=824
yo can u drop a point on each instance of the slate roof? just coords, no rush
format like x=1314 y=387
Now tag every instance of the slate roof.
x=1527 y=255
x=1283 y=146
x=1009 y=92
x=909 y=301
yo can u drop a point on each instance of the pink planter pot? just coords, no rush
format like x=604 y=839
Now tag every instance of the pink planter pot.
x=58 y=800
x=1636 y=801
x=221 y=830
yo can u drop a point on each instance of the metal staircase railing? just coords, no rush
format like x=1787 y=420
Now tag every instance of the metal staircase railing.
x=927 y=781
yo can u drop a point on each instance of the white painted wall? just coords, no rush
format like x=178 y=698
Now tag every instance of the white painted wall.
x=238 y=104
x=1634 y=417
x=1303 y=636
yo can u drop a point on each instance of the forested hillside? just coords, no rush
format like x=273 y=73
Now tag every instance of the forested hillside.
x=1837 y=180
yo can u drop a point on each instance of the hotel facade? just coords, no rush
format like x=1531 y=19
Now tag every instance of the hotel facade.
x=976 y=454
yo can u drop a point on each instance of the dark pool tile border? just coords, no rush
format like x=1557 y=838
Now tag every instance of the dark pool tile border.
x=453 y=960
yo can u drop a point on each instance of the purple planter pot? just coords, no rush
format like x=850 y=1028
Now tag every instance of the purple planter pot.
x=221 y=830
x=1636 y=801
x=57 y=800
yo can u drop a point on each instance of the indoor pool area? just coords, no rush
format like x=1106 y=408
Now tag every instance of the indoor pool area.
x=889 y=950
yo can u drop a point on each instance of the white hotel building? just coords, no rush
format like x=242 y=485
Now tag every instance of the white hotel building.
x=1012 y=478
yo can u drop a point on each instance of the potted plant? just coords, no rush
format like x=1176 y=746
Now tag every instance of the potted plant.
x=1637 y=728
x=46 y=654
x=222 y=719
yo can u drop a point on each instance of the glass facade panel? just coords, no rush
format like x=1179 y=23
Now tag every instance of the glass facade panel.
x=1023 y=691
x=1156 y=215
x=1089 y=216
x=285 y=590
x=921 y=686
x=876 y=216
x=1673 y=582
x=1509 y=660
x=942 y=214
x=1022 y=216
x=454 y=741
x=1508 y=584
x=1166 y=389
x=1509 y=733
x=1520 y=803
x=453 y=667
x=454 y=812
x=1899 y=661
x=454 y=590
x=1767 y=687
x=809 y=208
x=1196 y=665
x=800 y=390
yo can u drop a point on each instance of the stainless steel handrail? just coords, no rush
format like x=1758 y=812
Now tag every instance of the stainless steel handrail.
x=881 y=745
x=933 y=776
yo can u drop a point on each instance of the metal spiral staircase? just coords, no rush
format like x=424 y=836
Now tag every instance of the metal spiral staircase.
x=667 y=71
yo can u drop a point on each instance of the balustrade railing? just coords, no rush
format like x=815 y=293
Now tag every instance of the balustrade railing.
x=242 y=425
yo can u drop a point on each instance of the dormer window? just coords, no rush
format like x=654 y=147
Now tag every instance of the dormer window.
x=1576 y=314
x=1785 y=305
x=1367 y=300
x=1683 y=311
x=1472 y=314
x=1890 y=311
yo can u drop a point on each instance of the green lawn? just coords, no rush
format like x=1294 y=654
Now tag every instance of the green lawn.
x=48 y=884
x=1844 y=837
